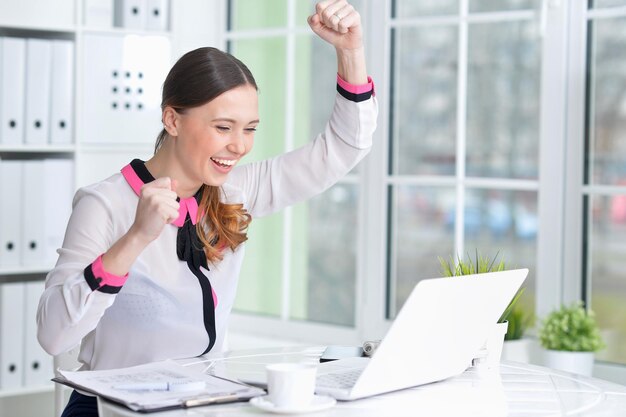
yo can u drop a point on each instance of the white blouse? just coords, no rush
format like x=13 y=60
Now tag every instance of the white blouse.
x=157 y=312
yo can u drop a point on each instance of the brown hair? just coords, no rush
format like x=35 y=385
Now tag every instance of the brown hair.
x=196 y=78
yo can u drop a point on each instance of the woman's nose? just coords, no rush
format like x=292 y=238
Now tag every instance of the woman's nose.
x=237 y=144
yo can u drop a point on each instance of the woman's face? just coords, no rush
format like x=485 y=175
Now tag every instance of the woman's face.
x=212 y=138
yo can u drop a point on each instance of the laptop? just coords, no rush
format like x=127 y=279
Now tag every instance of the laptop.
x=436 y=334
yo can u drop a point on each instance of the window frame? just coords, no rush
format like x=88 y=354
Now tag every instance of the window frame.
x=460 y=180
x=576 y=268
x=283 y=326
x=562 y=27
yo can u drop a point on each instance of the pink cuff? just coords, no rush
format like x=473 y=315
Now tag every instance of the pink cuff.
x=357 y=89
x=106 y=277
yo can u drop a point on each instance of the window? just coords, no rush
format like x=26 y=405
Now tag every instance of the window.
x=501 y=129
x=464 y=129
x=603 y=187
x=301 y=263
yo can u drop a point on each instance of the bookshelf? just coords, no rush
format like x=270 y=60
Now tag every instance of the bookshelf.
x=91 y=158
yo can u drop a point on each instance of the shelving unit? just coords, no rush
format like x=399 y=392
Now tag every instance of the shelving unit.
x=52 y=149
x=25 y=27
x=92 y=161
x=122 y=31
x=37 y=389
x=192 y=23
x=24 y=270
x=67 y=24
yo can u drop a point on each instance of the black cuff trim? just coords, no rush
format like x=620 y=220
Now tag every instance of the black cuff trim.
x=94 y=283
x=357 y=98
x=109 y=289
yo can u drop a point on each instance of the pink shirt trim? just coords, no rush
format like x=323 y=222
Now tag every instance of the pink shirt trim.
x=357 y=89
x=132 y=179
x=186 y=204
x=107 y=278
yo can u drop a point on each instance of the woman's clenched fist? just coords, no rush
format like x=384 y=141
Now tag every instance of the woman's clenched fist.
x=157 y=207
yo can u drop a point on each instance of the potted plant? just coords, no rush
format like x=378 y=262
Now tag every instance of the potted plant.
x=480 y=265
x=517 y=348
x=570 y=336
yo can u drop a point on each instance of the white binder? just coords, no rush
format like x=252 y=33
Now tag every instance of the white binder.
x=38 y=61
x=12 y=88
x=157 y=15
x=11 y=334
x=57 y=188
x=99 y=13
x=130 y=14
x=37 y=363
x=121 y=87
x=32 y=213
x=61 y=120
x=10 y=213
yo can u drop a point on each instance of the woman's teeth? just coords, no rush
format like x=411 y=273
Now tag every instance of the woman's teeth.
x=224 y=162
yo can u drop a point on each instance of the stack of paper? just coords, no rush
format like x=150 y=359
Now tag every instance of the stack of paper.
x=113 y=385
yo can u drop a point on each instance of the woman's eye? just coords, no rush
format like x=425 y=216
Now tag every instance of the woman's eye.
x=223 y=128
x=251 y=129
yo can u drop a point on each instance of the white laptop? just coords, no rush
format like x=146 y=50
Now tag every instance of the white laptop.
x=440 y=329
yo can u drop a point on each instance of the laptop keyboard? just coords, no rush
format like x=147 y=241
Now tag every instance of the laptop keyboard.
x=342 y=380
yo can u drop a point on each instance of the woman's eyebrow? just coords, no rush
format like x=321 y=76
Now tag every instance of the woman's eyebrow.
x=226 y=119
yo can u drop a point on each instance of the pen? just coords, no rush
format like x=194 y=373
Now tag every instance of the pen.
x=213 y=399
x=182 y=385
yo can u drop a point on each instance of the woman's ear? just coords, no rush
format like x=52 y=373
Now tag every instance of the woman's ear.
x=170 y=121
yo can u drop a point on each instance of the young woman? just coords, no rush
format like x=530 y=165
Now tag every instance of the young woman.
x=151 y=258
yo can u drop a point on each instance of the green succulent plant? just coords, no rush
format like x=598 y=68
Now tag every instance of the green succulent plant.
x=571 y=328
x=481 y=265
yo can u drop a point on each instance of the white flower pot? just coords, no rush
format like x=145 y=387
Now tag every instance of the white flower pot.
x=494 y=343
x=516 y=350
x=575 y=362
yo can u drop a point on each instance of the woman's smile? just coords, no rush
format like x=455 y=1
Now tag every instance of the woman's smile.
x=223 y=165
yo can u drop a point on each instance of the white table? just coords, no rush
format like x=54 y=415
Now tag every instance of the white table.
x=513 y=390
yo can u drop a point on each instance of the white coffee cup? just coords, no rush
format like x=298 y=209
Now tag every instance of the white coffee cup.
x=291 y=384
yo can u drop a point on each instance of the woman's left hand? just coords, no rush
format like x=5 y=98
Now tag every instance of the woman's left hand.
x=338 y=23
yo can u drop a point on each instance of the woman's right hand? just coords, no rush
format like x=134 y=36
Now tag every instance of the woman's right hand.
x=157 y=207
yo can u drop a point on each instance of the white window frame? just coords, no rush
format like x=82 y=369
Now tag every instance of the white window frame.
x=574 y=287
x=563 y=28
x=372 y=253
x=459 y=181
x=283 y=327
x=552 y=20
